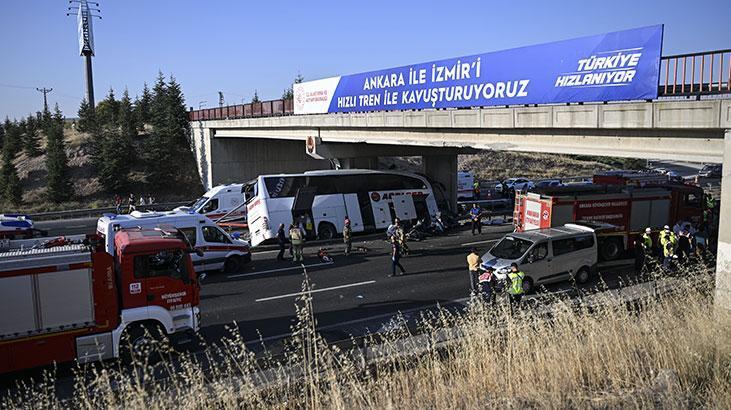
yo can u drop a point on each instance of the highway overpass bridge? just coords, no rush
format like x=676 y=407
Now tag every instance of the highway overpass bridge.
x=690 y=121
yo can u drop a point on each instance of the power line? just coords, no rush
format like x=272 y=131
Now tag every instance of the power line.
x=23 y=87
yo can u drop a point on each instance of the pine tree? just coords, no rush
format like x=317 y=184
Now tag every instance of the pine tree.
x=87 y=118
x=168 y=152
x=59 y=185
x=11 y=190
x=107 y=109
x=2 y=132
x=31 y=143
x=114 y=154
x=13 y=137
x=255 y=98
x=158 y=154
x=288 y=94
x=142 y=107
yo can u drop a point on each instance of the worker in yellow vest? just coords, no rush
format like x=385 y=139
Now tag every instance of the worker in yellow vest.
x=515 y=286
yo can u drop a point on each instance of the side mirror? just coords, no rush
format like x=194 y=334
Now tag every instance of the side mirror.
x=198 y=252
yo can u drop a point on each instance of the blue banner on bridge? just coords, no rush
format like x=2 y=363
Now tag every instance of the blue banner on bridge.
x=622 y=65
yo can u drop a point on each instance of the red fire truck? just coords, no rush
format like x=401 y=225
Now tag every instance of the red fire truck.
x=77 y=302
x=629 y=208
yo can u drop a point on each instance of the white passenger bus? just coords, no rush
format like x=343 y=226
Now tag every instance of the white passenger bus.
x=320 y=200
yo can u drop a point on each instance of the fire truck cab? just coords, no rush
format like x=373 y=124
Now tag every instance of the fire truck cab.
x=78 y=302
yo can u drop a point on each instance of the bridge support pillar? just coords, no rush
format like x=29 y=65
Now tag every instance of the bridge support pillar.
x=723 y=259
x=443 y=169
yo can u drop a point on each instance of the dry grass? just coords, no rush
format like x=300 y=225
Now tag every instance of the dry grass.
x=668 y=352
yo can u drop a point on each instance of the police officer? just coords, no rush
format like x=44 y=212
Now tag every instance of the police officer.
x=515 y=287
x=476 y=218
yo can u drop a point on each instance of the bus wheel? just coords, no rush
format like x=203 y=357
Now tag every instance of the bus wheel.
x=326 y=231
x=232 y=264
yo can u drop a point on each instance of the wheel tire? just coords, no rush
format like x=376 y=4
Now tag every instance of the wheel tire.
x=583 y=275
x=232 y=264
x=528 y=284
x=143 y=343
x=326 y=231
x=610 y=250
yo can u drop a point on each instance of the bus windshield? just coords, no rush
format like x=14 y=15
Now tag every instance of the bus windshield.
x=249 y=190
x=510 y=248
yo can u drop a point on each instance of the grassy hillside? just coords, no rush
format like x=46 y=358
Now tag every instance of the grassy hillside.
x=88 y=191
x=498 y=165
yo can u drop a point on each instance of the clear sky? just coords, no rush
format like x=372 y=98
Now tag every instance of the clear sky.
x=237 y=46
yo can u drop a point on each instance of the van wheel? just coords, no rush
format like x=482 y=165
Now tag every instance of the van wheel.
x=528 y=284
x=326 y=231
x=583 y=275
x=610 y=250
x=143 y=343
x=232 y=264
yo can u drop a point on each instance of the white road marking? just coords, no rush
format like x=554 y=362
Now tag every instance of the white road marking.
x=263 y=252
x=479 y=242
x=288 y=295
x=278 y=270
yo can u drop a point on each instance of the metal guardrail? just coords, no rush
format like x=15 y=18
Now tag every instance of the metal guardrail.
x=94 y=212
x=700 y=73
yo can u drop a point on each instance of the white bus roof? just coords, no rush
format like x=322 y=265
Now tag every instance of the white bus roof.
x=331 y=172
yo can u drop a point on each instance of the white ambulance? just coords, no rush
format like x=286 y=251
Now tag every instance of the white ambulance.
x=219 y=201
x=220 y=250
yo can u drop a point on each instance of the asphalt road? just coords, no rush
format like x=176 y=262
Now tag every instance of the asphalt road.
x=352 y=294
x=261 y=298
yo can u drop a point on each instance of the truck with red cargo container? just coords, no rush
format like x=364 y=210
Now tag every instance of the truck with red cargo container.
x=78 y=302
x=629 y=208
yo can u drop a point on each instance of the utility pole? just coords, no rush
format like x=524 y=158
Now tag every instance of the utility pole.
x=84 y=19
x=45 y=92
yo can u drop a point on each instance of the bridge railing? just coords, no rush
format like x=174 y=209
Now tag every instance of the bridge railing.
x=694 y=74
x=698 y=74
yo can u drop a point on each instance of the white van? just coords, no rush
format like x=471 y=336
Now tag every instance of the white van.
x=219 y=201
x=220 y=251
x=546 y=255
